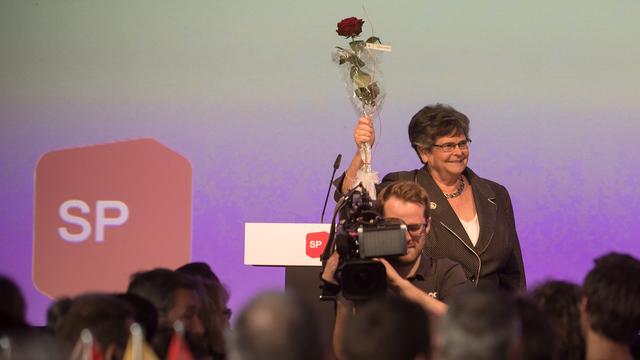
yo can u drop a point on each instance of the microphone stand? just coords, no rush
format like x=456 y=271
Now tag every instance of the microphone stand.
x=336 y=165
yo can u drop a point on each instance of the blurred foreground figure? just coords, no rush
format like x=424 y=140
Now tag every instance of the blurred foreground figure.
x=215 y=313
x=610 y=306
x=388 y=328
x=27 y=344
x=560 y=301
x=174 y=295
x=144 y=313
x=105 y=316
x=56 y=312
x=538 y=336
x=276 y=326
x=480 y=325
x=199 y=269
x=12 y=306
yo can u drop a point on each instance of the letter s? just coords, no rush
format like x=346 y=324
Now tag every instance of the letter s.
x=63 y=211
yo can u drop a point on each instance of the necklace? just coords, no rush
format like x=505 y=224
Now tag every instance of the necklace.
x=458 y=191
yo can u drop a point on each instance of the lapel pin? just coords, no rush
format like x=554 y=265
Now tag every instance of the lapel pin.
x=433 y=205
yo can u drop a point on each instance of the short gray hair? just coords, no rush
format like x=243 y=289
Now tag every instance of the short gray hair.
x=433 y=122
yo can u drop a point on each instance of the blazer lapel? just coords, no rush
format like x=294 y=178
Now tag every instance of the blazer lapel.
x=486 y=208
x=442 y=211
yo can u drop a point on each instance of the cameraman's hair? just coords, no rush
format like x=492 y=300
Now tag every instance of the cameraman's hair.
x=388 y=328
x=406 y=191
x=612 y=291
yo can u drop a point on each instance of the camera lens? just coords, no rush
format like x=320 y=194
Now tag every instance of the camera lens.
x=363 y=279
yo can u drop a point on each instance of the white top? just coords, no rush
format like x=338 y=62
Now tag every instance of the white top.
x=472 y=228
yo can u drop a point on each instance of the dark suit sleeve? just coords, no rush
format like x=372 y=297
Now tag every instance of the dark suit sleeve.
x=338 y=184
x=451 y=279
x=388 y=179
x=511 y=276
x=395 y=176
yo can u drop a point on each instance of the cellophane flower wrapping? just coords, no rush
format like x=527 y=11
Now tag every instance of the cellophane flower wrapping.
x=359 y=66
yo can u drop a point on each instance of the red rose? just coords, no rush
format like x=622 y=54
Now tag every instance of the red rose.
x=350 y=27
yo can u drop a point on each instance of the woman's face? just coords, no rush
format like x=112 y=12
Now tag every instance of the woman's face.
x=447 y=163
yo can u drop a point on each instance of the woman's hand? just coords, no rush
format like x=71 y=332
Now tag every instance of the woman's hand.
x=364 y=132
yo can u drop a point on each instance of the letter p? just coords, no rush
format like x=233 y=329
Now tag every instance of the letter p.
x=101 y=217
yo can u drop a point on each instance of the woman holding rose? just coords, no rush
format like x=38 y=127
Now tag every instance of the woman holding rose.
x=472 y=219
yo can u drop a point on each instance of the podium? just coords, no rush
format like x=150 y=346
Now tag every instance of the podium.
x=297 y=247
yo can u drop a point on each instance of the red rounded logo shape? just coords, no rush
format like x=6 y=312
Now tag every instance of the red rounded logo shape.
x=316 y=241
x=106 y=211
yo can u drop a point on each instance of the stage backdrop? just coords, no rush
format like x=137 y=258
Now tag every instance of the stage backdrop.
x=250 y=111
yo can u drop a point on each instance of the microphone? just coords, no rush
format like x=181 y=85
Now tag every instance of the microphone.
x=336 y=165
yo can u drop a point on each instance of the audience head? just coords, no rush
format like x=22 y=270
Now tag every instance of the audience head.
x=215 y=314
x=538 y=335
x=31 y=344
x=276 y=326
x=161 y=342
x=56 y=312
x=107 y=317
x=611 y=291
x=635 y=347
x=560 y=301
x=144 y=312
x=480 y=324
x=12 y=306
x=388 y=328
x=199 y=269
x=174 y=295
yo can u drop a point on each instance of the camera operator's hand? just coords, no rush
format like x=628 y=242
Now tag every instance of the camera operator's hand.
x=405 y=288
x=364 y=132
x=329 y=272
x=393 y=278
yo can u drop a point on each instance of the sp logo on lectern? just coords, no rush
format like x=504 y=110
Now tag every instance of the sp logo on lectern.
x=106 y=211
x=316 y=241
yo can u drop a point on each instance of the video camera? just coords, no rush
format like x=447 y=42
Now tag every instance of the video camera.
x=361 y=235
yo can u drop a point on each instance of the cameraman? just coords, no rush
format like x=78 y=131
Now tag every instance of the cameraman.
x=415 y=276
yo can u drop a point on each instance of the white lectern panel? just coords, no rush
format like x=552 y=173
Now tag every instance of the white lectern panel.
x=282 y=244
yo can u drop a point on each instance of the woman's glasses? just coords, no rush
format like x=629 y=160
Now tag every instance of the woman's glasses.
x=449 y=147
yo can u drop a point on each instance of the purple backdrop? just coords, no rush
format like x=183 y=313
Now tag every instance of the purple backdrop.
x=261 y=113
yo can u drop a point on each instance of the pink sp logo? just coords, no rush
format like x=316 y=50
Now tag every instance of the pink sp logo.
x=316 y=242
x=103 y=212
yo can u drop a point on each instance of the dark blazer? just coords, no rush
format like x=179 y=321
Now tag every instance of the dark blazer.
x=496 y=260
